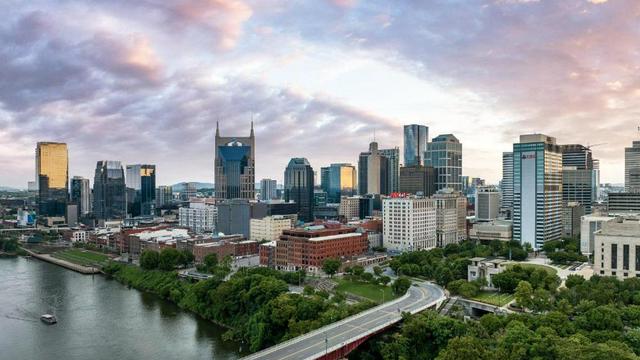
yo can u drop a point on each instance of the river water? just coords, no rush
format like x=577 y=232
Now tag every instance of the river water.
x=97 y=319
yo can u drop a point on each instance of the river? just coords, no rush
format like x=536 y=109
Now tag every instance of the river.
x=97 y=319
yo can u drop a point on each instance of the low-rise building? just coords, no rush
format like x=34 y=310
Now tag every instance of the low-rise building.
x=307 y=248
x=589 y=225
x=230 y=245
x=270 y=227
x=492 y=230
x=617 y=248
x=484 y=268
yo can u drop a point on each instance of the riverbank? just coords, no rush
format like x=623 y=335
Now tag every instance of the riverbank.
x=65 y=264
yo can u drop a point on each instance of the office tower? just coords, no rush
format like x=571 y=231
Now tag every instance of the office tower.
x=394 y=168
x=52 y=176
x=235 y=166
x=298 y=187
x=596 y=180
x=578 y=156
x=487 y=203
x=409 y=223
x=624 y=203
x=325 y=178
x=444 y=153
x=417 y=180
x=319 y=198
x=81 y=195
x=632 y=168
x=415 y=144
x=537 y=190
x=32 y=186
x=571 y=215
x=109 y=191
x=268 y=189
x=190 y=191
x=343 y=181
x=141 y=189
x=506 y=185
x=373 y=172
x=164 y=196
x=578 y=186
x=451 y=217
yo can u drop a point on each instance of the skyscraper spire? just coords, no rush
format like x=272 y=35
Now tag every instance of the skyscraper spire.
x=217 y=129
x=251 y=135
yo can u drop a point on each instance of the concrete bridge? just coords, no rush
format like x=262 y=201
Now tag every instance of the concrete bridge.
x=337 y=340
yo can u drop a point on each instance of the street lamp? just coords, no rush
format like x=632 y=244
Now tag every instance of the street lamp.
x=326 y=344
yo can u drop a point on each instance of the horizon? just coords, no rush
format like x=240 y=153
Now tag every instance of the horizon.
x=143 y=88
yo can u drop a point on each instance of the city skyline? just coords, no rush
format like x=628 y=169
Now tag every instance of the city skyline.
x=120 y=88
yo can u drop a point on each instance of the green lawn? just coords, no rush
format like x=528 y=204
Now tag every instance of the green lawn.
x=365 y=290
x=548 y=269
x=493 y=298
x=81 y=257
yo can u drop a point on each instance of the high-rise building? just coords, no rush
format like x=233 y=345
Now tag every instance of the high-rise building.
x=417 y=180
x=141 y=189
x=164 y=196
x=578 y=186
x=571 y=215
x=373 y=172
x=52 y=176
x=268 y=189
x=632 y=168
x=235 y=166
x=624 y=203
x=506 y=186
x=415 y=144
x=298 y=187
x=234 y=217
x=487 y=203
x=577 y=156
x=444 y=153
x=109 y=191
x=537 y=190
x=451 y=217
x=394 y=168
x=343 y=181
x=409 y=223
x=81 y=195
x=325 y=178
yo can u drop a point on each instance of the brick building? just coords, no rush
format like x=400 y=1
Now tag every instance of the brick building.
x=231 y=245
x=307 y=248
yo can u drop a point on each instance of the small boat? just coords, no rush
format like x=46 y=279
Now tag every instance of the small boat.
x=48 y=319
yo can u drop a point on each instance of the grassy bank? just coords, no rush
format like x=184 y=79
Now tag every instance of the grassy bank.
x=373 y=292
x=254 y=304
x=81 y=257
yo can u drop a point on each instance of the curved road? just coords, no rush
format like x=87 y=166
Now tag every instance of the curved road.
x=317 y=343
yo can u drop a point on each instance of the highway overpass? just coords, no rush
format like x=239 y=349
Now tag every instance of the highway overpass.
x=336 y=340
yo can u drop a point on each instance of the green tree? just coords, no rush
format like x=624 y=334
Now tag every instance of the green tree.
x=401 y=285
x=466 y=347
x=210 y=261
x=169 y=259
x=524 y=294
x=377 y=270
x=330 y=266
x=384 y=280
x=149 y=259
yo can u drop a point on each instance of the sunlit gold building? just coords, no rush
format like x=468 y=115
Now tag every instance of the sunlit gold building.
x=52 y=177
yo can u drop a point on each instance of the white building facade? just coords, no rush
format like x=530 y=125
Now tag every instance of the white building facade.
x=409 y=223
x=270 y=227
x=199 y=217
x=617 y=248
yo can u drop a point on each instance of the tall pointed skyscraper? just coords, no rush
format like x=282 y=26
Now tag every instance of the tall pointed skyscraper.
x=235 y=166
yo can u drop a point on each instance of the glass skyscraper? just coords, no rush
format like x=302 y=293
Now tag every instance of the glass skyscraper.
x=537 y=190
x=109 y=191
x=235 y=166
x=298 y=187
x=52 y=177
x=342 y=181
x=81 y=195
x=394 y=168
x=444 y=154
x=141 y=189
x=415 y=144
x=579 y=176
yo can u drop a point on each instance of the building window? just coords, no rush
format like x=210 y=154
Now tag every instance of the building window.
x=637 y=257
x=625 y=257
x=614 y=256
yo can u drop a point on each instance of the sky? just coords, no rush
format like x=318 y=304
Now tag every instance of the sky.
x=145 y=81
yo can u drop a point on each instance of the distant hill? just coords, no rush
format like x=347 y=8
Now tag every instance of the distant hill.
x=199 y=185
x=10 y=189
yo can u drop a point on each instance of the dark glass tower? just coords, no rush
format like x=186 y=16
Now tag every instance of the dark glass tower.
x=235 y=166
x=444 y=153
x=141 y=185
x=109 y=194
x=298 y=187
x=415 y=144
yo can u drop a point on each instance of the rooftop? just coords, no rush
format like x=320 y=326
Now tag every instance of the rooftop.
x=335 y=237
